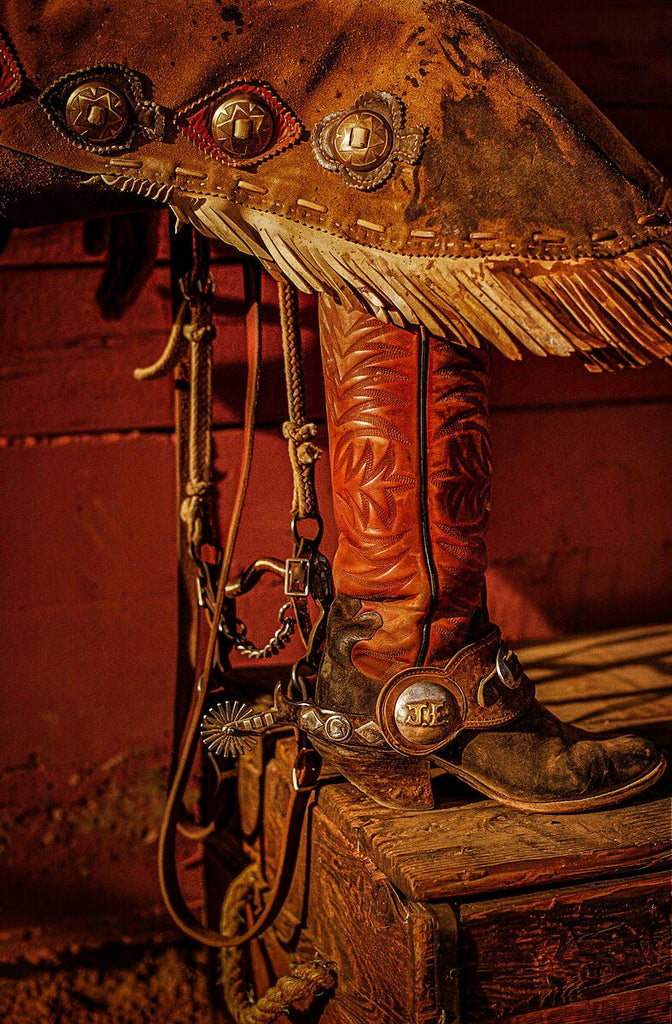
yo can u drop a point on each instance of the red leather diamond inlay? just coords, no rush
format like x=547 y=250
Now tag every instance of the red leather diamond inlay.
x=194 y=121
x=10 y=72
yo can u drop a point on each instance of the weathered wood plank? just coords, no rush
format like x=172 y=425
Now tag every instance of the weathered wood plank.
x=640 y=1006
x=468 y=848
x=344 y=908
x=374 y=930
x=572 y=945
x=579 y=537
x=606 y=681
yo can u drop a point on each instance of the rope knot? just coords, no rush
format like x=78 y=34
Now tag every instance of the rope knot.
x=298 y=433
x=308 y=453
x=197 y=333
x=298 y=990
x=192 y=511
x=197 y=488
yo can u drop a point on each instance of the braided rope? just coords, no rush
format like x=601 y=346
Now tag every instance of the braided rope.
x=193 y=331
x=174 y=352
x=297 y=990
x=303 y=454
x=194 y=510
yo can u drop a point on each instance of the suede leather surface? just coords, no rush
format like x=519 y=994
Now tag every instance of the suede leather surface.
x=512 y=147
x=540 y=758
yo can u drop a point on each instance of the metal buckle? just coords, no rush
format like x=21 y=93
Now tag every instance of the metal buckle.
x=306 y=770
x=509 y=669
x=297 y=577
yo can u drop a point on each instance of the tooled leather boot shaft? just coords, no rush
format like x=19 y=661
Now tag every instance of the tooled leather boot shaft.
x=410 y=463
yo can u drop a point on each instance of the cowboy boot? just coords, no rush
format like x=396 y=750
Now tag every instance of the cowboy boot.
x=413 y=671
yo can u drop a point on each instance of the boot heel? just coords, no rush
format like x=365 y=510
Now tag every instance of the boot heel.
x=390 y=779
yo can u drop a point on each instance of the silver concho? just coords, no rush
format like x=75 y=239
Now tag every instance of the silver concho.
x=420 y=711
x=365 y=143
x=425 y=713
x=338 y=728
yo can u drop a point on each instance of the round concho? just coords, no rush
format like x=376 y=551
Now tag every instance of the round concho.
x=338 y=728
x=420 y=710
x=242 y=126
x=96 y=112
x=362 y=140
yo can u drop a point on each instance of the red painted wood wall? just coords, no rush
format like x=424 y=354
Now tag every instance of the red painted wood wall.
x=581 y=534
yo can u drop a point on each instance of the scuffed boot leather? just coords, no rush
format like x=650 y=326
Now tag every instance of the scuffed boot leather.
x=540 y=763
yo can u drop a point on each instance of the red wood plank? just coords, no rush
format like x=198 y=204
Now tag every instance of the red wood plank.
x=535 y=383
x=639 y=1006
x=581 y=536
x=87 y=597
x=573 y=946
x=64 y=369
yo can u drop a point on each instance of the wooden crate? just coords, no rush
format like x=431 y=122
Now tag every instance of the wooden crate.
x=476 y=913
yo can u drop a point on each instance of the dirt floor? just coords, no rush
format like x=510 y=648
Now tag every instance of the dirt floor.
x=84 y=938
x=113 y=986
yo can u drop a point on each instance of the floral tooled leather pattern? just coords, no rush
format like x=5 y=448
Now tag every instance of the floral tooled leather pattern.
x=370 y=372
x=372 y=379
x=459 y=472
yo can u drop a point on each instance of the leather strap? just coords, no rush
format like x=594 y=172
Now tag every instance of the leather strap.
x=421 y=709
x=168 y=879
x=182 y=261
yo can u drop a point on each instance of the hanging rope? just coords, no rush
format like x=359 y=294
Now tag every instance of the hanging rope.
x=298 y=990
x=193 y=332
x=200 y=334
x=303 y=454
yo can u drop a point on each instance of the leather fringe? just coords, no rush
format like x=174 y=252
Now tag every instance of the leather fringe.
x=613 y=311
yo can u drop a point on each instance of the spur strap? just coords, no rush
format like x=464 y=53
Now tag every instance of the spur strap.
x=419 y=710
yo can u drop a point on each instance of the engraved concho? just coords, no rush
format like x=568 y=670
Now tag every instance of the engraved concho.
x=242 y=125
x=363 y=144
x=420 y=710
x=362 y=140
x=96 y=112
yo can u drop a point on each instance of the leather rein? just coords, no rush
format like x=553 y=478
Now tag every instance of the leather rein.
x=191 y=336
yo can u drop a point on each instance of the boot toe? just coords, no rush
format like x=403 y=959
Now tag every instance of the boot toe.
x=632 y=758
x=540 y=763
